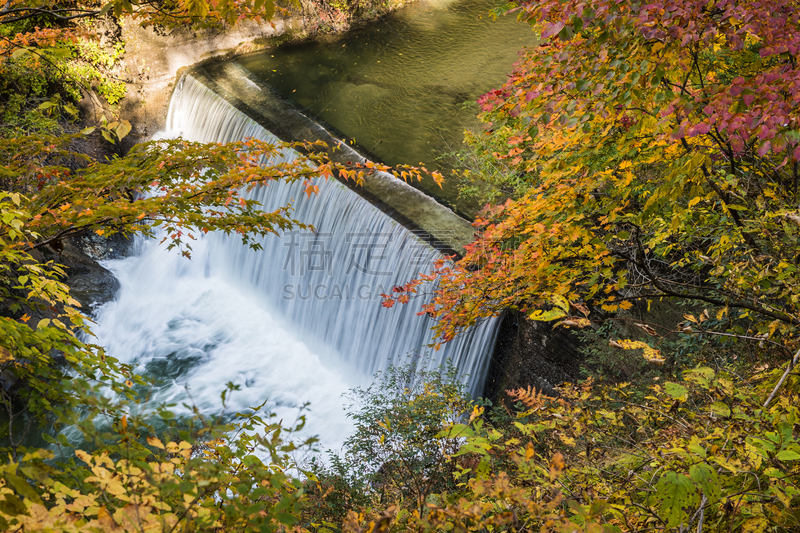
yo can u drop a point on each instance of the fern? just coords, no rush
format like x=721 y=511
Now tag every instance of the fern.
x=530 y=397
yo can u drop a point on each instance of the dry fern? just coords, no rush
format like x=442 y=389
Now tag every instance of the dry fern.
x=530 y=397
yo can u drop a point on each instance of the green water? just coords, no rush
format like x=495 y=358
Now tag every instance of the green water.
x=403 y=89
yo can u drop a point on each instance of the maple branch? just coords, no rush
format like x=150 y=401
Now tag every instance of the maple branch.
x=783 y=317
x=694 y=55
x=734 y=214
x=725 y=200
x=695 y=332
x=686 y=82
x=645 y=111
x=735 y=336
x=725 y=147
x=68 y=232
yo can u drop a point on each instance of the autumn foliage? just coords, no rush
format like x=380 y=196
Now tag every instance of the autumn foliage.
x=654 y=147
x=659 y=145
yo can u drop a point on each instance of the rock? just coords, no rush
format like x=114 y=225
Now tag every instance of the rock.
x=90 y=283
x=102 y=248
x=530 y=353
x=92 y=287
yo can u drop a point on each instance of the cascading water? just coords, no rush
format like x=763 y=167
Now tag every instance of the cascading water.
x=299 y=321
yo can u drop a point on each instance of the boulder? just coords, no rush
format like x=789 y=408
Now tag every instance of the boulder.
x=91 y=284
x=530 y=353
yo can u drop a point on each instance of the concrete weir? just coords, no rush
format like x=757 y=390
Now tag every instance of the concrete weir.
x=405 y=204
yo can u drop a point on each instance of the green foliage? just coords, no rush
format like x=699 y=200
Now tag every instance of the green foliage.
x=607 y=364
x=97 y=55
x=232 y=478
x=92 y=63
x=332 y=490
x=396 y=453
x=485 y=177
x=702 y=454
x=115 y=131
x=24 y=86
x=19 y=118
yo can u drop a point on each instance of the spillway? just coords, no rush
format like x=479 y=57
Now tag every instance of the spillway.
x=298 y=321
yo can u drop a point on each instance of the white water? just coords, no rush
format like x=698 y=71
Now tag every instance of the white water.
x=299 y=321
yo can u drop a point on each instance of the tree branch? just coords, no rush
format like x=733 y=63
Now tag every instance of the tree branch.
x=725 y=200
x=44 y=12
x=783 y=317
x=785 y=375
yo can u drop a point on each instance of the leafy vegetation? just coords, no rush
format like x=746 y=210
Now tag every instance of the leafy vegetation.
x=214 y=473
x=395 y=450
x=702 y=454
x=650 y=159
x=649 y=152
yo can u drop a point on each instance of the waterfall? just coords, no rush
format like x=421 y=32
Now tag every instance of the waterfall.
x=300 y=320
